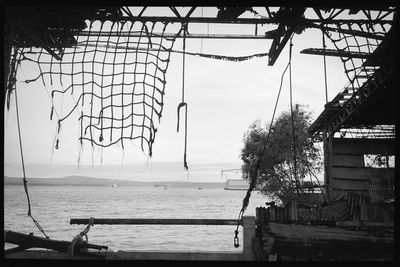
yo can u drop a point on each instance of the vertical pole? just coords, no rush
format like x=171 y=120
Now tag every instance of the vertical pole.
x=249 y=228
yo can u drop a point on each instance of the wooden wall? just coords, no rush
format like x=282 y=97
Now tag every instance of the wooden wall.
x=347 y=170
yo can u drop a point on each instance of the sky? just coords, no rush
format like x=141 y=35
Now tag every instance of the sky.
x=223 y=99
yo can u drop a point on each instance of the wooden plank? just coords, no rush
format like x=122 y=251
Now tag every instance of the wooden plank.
x=340 y=160
x=146 y=221
x=358 y=191
x=350 y=184
x=132 y=255
x=365 y=224
x=364 y=146
x=362 y=173
x=321 y=233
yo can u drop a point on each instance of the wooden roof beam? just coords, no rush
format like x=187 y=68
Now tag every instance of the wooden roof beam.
x=334 y=53
x=289 y=21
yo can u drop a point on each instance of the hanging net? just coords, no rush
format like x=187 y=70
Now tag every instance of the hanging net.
x=115 y=72
x=358 y=41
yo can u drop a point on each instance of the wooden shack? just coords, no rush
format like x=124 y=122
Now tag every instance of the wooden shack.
x=359 y=124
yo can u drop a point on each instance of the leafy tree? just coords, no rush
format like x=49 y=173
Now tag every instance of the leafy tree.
x=276 y=176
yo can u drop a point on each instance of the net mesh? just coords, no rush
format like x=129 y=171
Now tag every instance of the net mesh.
x=116 y=73
x=363 y=42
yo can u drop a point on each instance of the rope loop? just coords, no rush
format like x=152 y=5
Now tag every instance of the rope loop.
x=78 y=239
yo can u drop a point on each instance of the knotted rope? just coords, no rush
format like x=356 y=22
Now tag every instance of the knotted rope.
x=78 y=239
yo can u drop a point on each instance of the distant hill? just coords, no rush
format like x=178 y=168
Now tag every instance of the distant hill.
x=89 y=181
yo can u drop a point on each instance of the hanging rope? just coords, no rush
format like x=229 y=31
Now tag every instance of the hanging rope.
x=292 y=117
x=23 y=169
x=222 y=57
x=254 y=172
x=325 y=74
x=183 y=103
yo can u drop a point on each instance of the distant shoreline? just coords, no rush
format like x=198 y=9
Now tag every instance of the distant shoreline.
x=89 y=181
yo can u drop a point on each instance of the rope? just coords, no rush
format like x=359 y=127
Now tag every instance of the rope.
x=325 y=74
x=23 y=169
x=78 y=239
x=222 y=57
x=183 y=103
x=253 y=175
x=292 y=117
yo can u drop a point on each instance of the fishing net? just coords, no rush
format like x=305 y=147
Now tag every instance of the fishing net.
x=361 y=40
x=115 y=72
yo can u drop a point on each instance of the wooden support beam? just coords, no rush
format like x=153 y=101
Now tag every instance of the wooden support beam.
x=174 y=35
x=260 y=21
x=136 y=221
x=283 y=33
x=334 y=53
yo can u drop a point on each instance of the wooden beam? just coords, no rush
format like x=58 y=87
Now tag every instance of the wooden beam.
x=31 y=241
x=136 y=221
x=260 y=21
x=174 y=35
x=283 y=35
x=334 y=53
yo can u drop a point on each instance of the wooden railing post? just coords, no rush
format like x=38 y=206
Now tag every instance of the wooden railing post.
x=249 y=229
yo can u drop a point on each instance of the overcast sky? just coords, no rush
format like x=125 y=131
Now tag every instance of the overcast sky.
x=223 y=99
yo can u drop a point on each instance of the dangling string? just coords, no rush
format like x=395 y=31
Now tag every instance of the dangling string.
x=201 y=44
x=292 y=117
x=23 y=169
x=325 y=75
x=183 y=103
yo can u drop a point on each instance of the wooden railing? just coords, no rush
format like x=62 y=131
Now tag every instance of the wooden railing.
x=248 y=224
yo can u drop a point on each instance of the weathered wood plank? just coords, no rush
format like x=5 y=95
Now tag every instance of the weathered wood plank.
x=362 y=173
x=148 y=221
x=366 y=224
x=350 y=184
x=321 y=233
x=340 y=160
x=364 y=146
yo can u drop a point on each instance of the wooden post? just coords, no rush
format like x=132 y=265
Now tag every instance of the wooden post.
x=293 y=214
x=249 y=228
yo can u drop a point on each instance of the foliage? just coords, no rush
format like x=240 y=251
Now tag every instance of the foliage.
x=276 y=173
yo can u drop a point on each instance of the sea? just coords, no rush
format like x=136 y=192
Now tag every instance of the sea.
x=54 y=205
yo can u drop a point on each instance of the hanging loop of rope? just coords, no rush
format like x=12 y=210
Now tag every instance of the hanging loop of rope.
x=183 y=103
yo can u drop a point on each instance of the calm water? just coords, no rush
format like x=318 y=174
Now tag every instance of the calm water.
x=54 y=206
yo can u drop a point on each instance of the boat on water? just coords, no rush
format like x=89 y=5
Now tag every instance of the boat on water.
x=236 y=184
x=114 y=185
x=164 y=186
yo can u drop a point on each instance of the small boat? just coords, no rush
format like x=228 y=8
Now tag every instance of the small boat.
x=200 y=188
x=114 y=185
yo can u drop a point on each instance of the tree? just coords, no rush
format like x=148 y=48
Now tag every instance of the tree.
x=276 y=175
